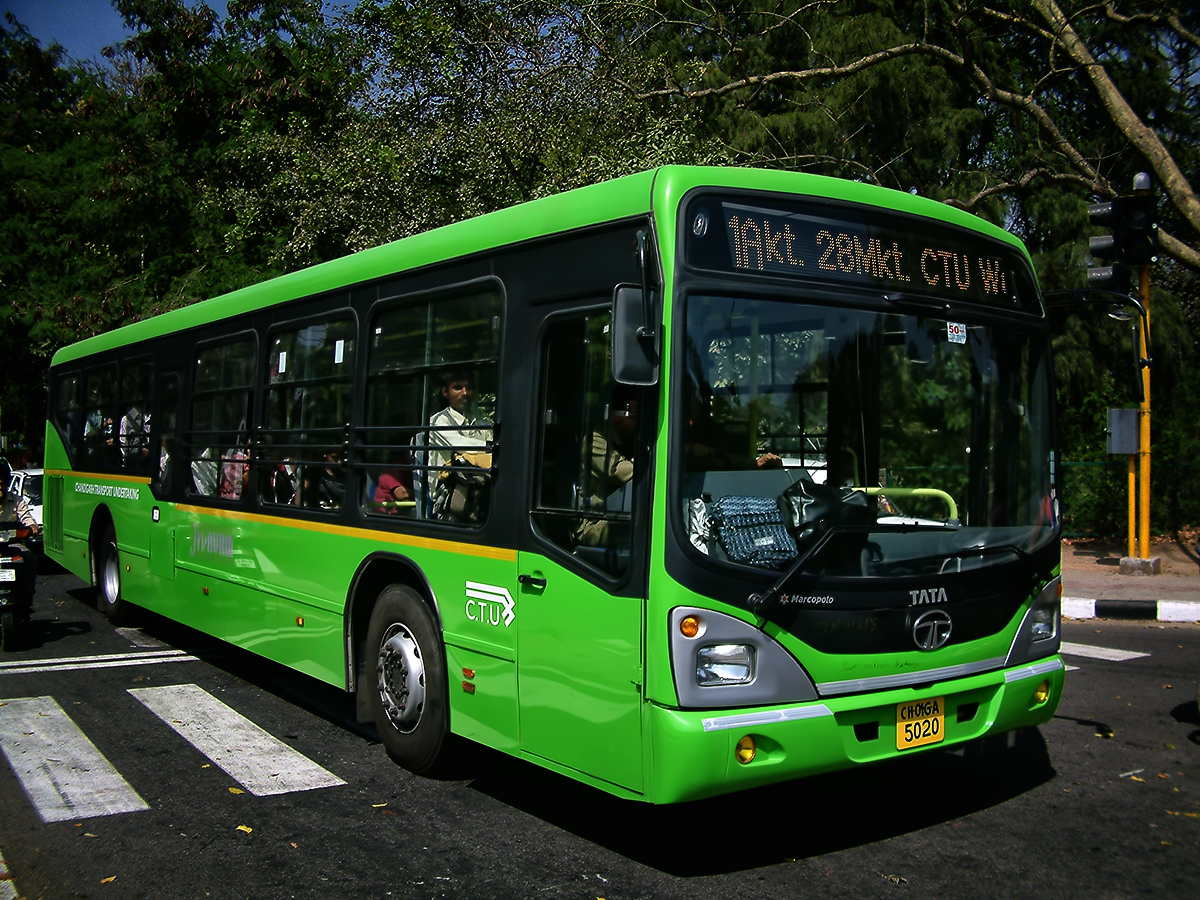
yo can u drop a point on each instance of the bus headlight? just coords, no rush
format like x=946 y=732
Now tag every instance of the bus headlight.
x=1040 y=633
x=1042 y=625
x=725 y=664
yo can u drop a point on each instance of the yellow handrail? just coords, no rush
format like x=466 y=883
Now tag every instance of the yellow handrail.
x=912 y=492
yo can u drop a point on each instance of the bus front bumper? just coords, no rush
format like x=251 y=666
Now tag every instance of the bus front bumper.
x=695 y=752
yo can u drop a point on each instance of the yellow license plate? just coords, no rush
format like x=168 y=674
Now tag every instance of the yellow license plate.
x=920 y=722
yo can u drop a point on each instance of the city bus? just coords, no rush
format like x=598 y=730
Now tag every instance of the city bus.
x=689 y=482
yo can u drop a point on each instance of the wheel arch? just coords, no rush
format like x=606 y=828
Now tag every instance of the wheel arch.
x=374 y=573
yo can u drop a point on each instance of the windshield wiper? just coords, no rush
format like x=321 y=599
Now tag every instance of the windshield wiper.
x=760 y=603
x=975 y=551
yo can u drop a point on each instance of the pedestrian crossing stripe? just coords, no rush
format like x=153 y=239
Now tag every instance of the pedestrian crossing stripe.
x=1091 y=652
x=260 y=763
x=67 y=778
x=60 y=770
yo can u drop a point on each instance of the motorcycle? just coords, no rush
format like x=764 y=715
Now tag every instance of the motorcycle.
x=18 y=569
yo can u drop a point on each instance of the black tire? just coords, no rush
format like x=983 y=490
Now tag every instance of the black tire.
x=405 y=674
x=108 y=579
x=8 y=630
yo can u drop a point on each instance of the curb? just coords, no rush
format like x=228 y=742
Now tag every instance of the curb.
x=1150 y=610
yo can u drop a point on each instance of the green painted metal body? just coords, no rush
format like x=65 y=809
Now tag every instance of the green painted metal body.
x=568 y=676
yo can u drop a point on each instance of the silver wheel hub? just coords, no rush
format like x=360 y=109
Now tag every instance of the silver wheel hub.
x=111 y=576
x=401 y=678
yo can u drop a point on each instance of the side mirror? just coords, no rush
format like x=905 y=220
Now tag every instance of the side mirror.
x=634 y=351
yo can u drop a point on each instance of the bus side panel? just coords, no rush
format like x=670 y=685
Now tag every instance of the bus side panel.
x=483 y=698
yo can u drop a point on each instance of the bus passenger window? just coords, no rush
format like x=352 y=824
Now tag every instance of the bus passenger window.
x=66 y=411
x=220 y=437
x=99 y=429
x=428 y=437
x=133 y=432
x=309 y=391
x=165 y=425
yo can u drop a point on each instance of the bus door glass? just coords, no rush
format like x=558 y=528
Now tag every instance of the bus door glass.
x=580 y=634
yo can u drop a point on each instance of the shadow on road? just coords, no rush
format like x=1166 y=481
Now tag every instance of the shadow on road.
x=1186 y=713
x=789 y=821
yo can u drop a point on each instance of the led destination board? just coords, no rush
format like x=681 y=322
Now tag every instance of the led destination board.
x=864 y=247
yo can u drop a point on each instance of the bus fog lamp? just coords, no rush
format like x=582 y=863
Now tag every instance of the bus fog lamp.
x=745 y=750
x=719 y=664
x=1042 y=693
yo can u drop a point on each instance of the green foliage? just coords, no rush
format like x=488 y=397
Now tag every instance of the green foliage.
x=210 y=151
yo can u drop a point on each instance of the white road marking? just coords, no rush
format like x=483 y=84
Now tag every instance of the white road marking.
x=1088 y=650
x=259 y=762
x=8 y=887
x=103 y=661
x=135 y=637
x=62 y=772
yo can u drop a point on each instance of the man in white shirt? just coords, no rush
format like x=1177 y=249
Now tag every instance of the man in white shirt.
x=459 y=430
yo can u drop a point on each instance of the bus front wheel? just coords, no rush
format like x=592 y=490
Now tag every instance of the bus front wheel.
x=406 y=677
x=109 y=577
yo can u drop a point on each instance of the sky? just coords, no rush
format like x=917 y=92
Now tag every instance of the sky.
x=81 y=26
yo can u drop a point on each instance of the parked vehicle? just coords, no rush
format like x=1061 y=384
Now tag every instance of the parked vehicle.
x=18 y=568
x=27 y=483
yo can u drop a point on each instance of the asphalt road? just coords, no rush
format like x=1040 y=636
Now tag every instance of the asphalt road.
x=1102 y=802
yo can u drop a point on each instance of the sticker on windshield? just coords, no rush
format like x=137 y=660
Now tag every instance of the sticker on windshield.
x=956 y=332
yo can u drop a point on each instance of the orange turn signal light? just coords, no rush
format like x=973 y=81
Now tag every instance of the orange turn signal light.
x=689 y=626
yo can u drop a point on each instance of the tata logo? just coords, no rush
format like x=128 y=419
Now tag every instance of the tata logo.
x=489 y=604
x=932 y=629
x=933 y=595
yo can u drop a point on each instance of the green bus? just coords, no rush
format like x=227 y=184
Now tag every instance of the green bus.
x=692 y=481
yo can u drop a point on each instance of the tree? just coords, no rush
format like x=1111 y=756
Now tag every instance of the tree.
x=1019 y=98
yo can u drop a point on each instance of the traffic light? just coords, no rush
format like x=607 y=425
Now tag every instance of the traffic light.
x=1139 y=238
x=1115 y=277
x=1133 y=241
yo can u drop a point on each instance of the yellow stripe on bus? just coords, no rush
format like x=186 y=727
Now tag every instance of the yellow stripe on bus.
x=407 y=540
x=100 y=476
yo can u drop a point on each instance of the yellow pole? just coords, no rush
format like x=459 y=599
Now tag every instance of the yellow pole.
x=1133 y=507
x=1144 y=424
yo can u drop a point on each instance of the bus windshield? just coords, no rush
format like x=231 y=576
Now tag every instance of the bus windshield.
x=863 y=443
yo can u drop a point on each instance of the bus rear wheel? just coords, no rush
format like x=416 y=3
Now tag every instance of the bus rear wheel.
x=108 y=576
x=406 y=677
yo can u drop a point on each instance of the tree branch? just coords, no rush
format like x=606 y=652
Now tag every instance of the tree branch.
x=1144 y=139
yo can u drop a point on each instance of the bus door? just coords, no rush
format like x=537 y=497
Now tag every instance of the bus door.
x=163 y=463
x=580 y=580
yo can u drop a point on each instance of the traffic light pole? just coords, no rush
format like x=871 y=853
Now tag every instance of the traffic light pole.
x=1144 y=422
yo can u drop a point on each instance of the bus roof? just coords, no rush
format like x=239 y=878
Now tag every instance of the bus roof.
x=621 y=198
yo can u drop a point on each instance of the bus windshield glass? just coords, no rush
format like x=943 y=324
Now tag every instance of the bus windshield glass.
x=861 y=443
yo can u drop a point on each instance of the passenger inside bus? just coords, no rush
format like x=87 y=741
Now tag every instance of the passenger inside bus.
x=609 y=469
x=325 y=485
x=134 y=433
x=458 y=491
